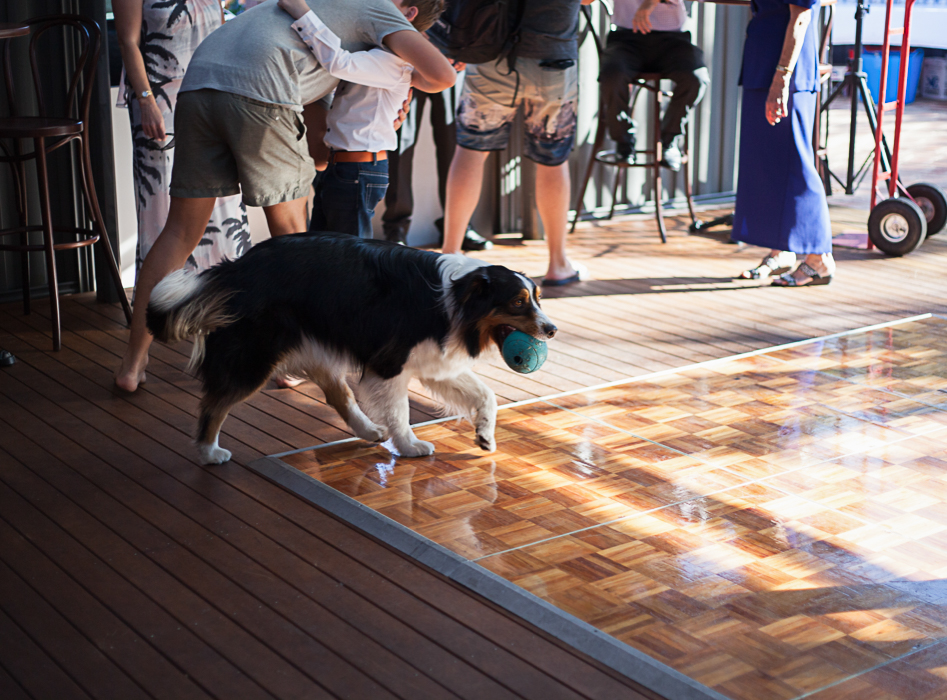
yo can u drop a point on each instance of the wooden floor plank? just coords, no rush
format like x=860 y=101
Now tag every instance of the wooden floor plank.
x=32 y=669
x=145 y=608
x=9 y=688
x=80 y=650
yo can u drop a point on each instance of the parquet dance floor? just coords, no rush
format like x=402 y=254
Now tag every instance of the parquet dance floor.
x=772 y=526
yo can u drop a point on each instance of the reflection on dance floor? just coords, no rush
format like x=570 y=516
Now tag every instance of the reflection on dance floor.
x=772 y=527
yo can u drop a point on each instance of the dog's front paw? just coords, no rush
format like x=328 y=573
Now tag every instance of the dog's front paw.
x=211 y=454
x=372 y=433
x=417 y=448
x=486 y=442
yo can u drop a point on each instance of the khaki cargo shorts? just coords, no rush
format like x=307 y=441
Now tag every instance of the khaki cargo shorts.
x=226 y=143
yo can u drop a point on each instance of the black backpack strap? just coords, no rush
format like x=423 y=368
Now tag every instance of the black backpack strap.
x=512 y=43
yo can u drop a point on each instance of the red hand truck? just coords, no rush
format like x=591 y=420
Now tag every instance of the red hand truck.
x=900 y=223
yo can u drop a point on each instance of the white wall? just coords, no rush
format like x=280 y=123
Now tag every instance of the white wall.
x=125 y=190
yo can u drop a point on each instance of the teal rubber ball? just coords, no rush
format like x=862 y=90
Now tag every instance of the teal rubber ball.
x=523 y=353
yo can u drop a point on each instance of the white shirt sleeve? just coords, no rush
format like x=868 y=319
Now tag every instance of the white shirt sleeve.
x=374 y=68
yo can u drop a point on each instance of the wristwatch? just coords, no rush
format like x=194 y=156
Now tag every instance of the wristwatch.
x=145 y=93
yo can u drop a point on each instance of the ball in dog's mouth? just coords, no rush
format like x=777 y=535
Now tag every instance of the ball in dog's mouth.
x=501 y=333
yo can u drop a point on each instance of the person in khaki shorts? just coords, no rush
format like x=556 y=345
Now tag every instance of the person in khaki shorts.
x=239 y=127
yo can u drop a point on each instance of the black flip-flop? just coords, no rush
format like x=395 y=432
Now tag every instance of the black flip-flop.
x=580 y=273
x=6 y=358
x=563 y=282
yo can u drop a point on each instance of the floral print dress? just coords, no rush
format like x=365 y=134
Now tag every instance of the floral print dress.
x=170 y=32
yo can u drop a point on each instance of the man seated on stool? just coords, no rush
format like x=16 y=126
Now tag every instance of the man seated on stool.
x=648 y=39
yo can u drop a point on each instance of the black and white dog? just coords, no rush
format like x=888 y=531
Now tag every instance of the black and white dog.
x=325 y=305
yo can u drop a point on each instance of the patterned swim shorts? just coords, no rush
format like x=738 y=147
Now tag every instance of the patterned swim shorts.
x=492 y=94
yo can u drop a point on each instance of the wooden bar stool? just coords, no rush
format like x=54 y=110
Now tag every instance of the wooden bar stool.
x=49 y=133
x=647 y=158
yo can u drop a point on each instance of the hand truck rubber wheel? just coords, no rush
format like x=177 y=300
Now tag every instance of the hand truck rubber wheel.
x=933 y=202
x=897 y=226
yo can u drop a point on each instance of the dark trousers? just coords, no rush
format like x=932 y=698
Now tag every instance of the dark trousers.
x=399 y=201
x=628 y=54
x=346 y=197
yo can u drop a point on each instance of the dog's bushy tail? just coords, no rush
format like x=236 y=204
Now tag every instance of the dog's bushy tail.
x=186 y=304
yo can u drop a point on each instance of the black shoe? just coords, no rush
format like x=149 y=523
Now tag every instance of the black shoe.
x=673 y=158
x=625 y=152
x=395 y=235
x=472 y=239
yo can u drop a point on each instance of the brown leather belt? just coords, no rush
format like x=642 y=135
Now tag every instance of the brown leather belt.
x=357 y=156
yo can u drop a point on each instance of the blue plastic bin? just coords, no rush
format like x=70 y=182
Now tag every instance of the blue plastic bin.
x=873 y=69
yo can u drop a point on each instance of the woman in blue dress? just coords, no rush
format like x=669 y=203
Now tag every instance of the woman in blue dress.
x=780 y=197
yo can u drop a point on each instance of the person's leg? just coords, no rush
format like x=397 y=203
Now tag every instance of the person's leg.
x=445 y=139
x=689 y=89
x=484 y=119
x=552 y=202
x=187 y=219
x=550 y=126
x=621 y=63
x=286 y=217
x=445 y=142
x=399 y=199
x=464 y=183
x=373 y=185
x=361 y=196
x=317 y=217
x=340 y=199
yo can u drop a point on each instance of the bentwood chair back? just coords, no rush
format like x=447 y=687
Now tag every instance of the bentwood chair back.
x=49 y=132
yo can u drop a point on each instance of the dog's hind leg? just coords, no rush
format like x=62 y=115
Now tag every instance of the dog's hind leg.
x=467 y=394
x=214 y=410
x=230 y=377
x=340 y=397
x=387 y=402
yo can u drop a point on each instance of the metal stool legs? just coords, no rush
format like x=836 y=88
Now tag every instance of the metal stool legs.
x=652 y=84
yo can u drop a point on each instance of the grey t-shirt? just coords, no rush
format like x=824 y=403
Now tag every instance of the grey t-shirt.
x=258 y=55
x=550 y=29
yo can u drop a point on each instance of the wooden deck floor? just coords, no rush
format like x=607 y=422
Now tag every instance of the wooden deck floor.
x=129 y=571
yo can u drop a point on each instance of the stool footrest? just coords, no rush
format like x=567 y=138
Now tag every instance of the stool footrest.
x=91 y=238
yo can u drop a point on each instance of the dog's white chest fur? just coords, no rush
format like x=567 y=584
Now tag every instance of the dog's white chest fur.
x=428 y=361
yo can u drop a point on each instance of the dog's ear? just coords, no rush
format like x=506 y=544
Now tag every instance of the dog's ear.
x=474 y=284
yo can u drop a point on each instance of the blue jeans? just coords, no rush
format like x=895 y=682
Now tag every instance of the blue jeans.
x=346 y=196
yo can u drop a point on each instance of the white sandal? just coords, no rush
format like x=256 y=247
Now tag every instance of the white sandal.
x=772 y=265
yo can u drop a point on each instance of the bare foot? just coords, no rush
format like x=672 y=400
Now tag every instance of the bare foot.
x=568 y=274
x=128 y=378
x=288 y=381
